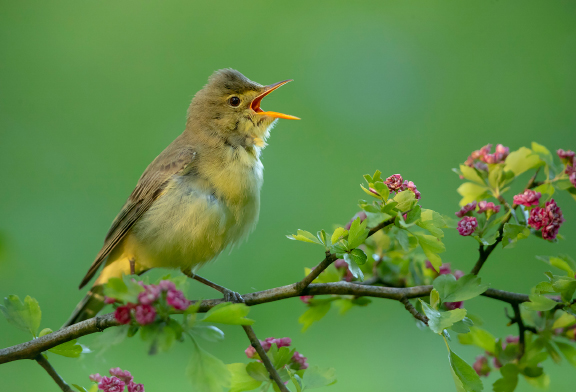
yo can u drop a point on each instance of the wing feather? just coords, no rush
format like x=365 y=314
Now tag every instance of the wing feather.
x=173 y=160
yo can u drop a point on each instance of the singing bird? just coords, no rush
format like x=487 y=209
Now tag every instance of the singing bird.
x=199 y=196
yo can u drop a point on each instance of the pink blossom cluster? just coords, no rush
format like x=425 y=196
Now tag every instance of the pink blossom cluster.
x=144 y=311
x=467 y=209
x=487 y=206
x=480 y=158
x=481 y=366
x=297 y=362
x=119 y=380
x=528 y=198
x=568 y=157
x=548 y=219
x=483 y=206
x=397 y=184
x=467 y=225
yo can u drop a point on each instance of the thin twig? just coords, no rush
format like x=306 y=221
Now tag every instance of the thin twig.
x=521 y=330
x=409 y=307
x=52 y=372
x=271 y=369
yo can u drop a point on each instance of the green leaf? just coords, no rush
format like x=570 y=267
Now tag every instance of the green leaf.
x=431 y=247
x=402 y=238
x=257 y=371
x=25 y=316
x=438 y=321
x=321 y=235
x=315 y=312
x=78 y=387
x=565 y=320
x=357 y=233
x=208 y=332
x=558 y=263
x=543 y=153
x=240 y=379
x=405 y=199
x=414 y=215
x=547 y=190
x=316 y=377
x=206 y=372
x=463 y=289
x=542 y=382
x=470 y=192
x=465 y=373
x=382 y=189
x=338 y=234
x=521 y=160
x=479 y=338
x=471 y=174
x=280 y=357
x=539 y=303
x=125 y=289
x=434 y=299
x=229 y=313
x=509 y=379
x=513 y=233
x=359 y=256
x=433 y=222
x=568 y=351
x=565 y=285
x=460 y=327
x=354 y=268
x=71 y=349
x=305 y=236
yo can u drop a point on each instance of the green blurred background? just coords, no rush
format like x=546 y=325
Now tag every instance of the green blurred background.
x=92 y=91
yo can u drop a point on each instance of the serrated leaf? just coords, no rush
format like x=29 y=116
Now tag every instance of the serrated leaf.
x=206 y=372
x=359 y=256
x=434 y=299
x=470 y=192
x=479 y=338
x=305 y=236
x=24 y=315
x=402 y=238
x=357 y=233
x=431 y=247
x=316 y=377
x=463 y=289
x=257 y=371
x=433 y=222
x=209 y=333
x=521 y=160
x=405 y=199
x=240 y=379
x=229 y=313
x=565 y=320
x=438 y=321
x=471 y=174
x=465 y=373
x=568 y=351
x=70 y=349
x=509 y=379
x=558 y=263
x=353 y=267
x=338 y=234
x=315 y=312
x=539 y=303
x=513 y=233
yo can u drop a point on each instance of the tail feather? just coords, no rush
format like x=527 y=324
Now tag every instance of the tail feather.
x=89 y=307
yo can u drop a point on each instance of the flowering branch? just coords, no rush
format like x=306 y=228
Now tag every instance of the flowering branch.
x=52 y=372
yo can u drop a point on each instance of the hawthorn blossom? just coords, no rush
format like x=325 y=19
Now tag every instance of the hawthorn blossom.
x=299 y=361
x=150 y=294
x=133 y=387
x=145 y=314
x=466 y=209
x=166 y=285
x=499 y=155
x=548 y=219
x=250 y=352
x=122 y=314
x=111 y=384
x=566 y=156
x=306 y=298
x=481 y=366
x=573 y=178
x=177 y=300
x=282 y=342
x=528 y=198
x=454 y=305
x=123 y=375
x=341 y=264
x=411 y=186
x=458 y=274
x=108 y=300
x=445 y=269
x=95 y=377
x=485 y=206
x=394 y=182
x=467 y=225
x=483 y=155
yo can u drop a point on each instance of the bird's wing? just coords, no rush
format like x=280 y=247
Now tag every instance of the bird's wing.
x=150 y=186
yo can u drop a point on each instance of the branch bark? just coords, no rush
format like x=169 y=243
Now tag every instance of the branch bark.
x=52 y=372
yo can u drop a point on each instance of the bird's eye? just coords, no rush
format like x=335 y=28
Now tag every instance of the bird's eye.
x=234 y=101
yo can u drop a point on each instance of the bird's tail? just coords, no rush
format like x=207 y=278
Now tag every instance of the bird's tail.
x=89 y=307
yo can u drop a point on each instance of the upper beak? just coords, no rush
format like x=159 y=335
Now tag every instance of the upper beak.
x=255 y=105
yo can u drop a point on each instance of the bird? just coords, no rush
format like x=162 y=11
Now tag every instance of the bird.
x=200 y=196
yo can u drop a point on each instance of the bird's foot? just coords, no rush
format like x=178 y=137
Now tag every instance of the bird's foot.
x=232 y=296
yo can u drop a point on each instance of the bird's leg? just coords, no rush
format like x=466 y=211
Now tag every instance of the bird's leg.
x=229 y=295
x=132 y=262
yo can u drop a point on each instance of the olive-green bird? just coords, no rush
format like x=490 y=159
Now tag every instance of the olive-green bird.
x=200 y=195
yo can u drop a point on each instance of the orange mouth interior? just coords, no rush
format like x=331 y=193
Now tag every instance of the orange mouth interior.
x=255 y=105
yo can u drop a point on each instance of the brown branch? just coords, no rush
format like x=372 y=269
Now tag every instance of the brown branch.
x=271 y=369
x=52 y=372
x=521 y=330
x=409 y=307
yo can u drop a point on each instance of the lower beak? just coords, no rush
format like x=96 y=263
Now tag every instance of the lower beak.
x=255 y=105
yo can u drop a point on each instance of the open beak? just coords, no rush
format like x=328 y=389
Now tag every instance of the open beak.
x=255 y=105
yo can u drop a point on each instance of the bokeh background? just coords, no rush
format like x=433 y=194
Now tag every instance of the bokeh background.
x=92 y=91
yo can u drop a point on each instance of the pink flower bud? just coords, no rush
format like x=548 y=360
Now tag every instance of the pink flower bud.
x=108 y=300
x=122 y=314
x=250 y=352
x=299 y=361
x=111 y=384
x=132 y=387
x=410 y=185
x=566 y=156
x=467 y=225
x=528 y=198
x=306 y=298
x=573 y=178
x=497 y=364
x=282 y=342
x=458 y=274
x=512 y=339
x=266 y=344
x=394 y=182
x=166 y=285
x=481 y=366
x=123 y=375
x=454 y=305
x=466 y=209
x=95 y=377
x=150 y=294
x=485 y=206
x=145 y=314
x=538 y=218
x=445 y=269
x=177 y=300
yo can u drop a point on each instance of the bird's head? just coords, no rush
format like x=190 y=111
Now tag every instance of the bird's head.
x=229 y=107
